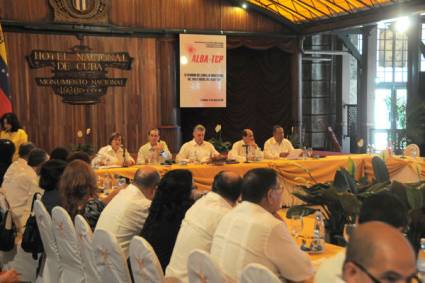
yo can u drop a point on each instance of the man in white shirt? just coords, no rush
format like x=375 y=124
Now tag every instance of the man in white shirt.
x=126 y=213
x=252 y=233
x=19 y=187
x=384 y=207
x=246 y=149
x=113 y=154
x=197 y=150
x=277 y=146
x=201 y=220
x=21 y=163
x=154 y=151
x=21 y=183
x=378 y=252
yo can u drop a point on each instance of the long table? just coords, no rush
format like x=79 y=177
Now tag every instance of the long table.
x=293 y=172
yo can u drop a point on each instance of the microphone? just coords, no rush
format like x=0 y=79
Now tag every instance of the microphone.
x=246 y=146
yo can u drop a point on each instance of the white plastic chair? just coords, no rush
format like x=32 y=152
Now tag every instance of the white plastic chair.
x=51 y=269
x=85 y=236
x=145 y=265
x=412 y=150
x=254 y=273
x=201 y=268
x=109 y=258
x=68 y=247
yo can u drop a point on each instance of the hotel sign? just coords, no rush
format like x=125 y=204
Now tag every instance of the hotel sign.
x=79 y=74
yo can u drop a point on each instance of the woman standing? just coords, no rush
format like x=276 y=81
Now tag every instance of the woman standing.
x=11 y=129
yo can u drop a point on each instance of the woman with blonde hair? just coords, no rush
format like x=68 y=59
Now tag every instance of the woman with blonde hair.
x=78 y=192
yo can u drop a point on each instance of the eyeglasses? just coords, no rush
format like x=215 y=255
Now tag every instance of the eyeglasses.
x=391 y=276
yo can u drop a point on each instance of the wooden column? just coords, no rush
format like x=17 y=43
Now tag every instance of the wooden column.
x=415 y=112
x=170 y=124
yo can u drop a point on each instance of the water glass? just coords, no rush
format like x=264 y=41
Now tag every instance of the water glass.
x=310 y=152
x=297 y=226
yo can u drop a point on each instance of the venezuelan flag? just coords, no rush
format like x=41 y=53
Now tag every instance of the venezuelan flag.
x=5 y=103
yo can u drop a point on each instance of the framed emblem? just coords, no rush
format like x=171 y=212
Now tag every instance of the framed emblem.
x=80 y=11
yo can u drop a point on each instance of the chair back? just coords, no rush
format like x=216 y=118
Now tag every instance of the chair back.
x=412 y=150
x=254 y=273
x=201 y=268
x=68 y=247
x=85 y=236
x=145 y=265
x=109 y=258
x=51 y=269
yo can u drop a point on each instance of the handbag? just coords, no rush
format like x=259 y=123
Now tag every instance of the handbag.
x=31 y=240
x=7 y=227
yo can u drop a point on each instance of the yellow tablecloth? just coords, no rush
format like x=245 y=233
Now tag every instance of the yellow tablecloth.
x=294 y=172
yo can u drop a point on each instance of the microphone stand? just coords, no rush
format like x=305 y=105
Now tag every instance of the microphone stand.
x=123 y=152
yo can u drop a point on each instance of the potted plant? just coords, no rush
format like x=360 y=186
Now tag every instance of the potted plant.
x=221 y=146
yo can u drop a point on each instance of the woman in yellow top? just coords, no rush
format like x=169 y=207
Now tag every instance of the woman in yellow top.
x=11 y=130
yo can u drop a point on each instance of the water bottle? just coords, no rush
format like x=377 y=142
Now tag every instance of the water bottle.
x=107 y=184
x=421 y=260
x=318 y=243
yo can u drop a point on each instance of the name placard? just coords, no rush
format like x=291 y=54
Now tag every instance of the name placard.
x=79 y=74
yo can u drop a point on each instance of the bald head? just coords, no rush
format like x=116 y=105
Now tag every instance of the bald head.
x=381 y=249
x=228 y=184
x=146 y=178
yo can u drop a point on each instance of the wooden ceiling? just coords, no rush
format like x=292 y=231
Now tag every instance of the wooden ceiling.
x=311 y=16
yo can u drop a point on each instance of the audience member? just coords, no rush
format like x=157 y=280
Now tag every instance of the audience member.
x=383 y=207
x=20 y=187
x=277 y=146
x=378 y=252
x=250 y=233
x=246 y=148
x=21 y=183
x=11 y=129
x=7 y=149
x=50 y=174
x=79 y=155
x=201 y=220
x=154 y=151
x=60 y=153
x=113 y=154
x=78 y=191
x=172 y=200
x=197 y=150
x=126 y=214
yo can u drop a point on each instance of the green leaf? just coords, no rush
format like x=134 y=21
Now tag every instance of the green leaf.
x=350 y=204
x=380 y=170
x=414 y=198
x=301 y=210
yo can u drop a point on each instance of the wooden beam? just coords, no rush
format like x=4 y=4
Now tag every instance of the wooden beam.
x=351 y=48
x=365 y=17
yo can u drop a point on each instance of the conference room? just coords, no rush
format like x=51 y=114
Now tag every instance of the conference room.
x=212 y=140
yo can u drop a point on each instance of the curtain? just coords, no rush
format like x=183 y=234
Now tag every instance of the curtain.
x=259 y=95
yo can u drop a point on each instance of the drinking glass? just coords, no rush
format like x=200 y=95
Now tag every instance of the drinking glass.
x=310 y=152
x=297 y=225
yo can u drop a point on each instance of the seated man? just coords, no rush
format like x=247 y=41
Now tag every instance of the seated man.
x=277 y=146
x=113 y=154
x=154 y=151
x=246 y=149
x=126 y=213
x=201 y=220
x=378 y=252
x=197 y=150
x=383 y=207
x=251 y=233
